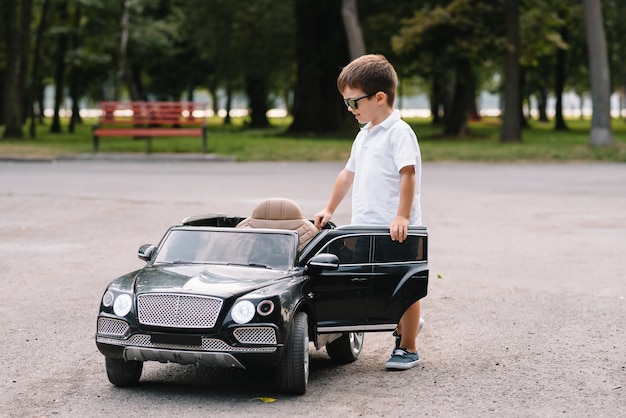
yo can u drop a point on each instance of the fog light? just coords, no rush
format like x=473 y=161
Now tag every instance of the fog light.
x=265 y=308
x=107 y=299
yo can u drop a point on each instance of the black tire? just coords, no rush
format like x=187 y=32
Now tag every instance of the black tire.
x=346 y=348
x=123 y=373
x=292 y=371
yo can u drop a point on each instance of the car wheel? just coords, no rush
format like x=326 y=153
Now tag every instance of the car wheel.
x=346 y=348
x=123 y=373
x=292 y=372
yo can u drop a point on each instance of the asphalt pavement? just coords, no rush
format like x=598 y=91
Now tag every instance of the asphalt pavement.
x=525 y=315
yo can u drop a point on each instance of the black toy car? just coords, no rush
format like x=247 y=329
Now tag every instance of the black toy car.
x=253 y=292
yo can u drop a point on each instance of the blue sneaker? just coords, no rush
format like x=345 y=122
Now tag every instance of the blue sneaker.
x=402 y=360
x=398 y=337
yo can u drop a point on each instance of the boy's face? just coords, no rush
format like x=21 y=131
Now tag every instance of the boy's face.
x=372 y=109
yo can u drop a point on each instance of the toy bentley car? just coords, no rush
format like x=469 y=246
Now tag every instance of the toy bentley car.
x=254 y=292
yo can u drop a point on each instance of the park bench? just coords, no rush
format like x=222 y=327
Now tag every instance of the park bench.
x=146 y=120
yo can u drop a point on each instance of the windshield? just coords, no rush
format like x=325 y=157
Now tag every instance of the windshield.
x=241 y=247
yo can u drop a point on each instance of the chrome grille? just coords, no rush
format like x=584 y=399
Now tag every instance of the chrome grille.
x=255 y=335
x=178 y=311
x=108 y=326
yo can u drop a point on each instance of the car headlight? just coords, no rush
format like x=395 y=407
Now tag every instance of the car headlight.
x=122 y=305
x=243 y=312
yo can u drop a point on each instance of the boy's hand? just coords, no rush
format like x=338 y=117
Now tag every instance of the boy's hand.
x=399 y=228
x=322 y=218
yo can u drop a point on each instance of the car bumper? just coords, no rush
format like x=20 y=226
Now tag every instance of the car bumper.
x=212 y=352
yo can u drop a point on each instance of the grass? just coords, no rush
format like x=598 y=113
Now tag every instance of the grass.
x=540 y=143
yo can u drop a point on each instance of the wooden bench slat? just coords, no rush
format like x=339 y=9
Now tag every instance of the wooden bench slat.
x=145 y=123
x=147 y=132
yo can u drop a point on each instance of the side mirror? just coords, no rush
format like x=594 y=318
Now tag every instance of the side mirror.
x=145 y=252
x=324 y=261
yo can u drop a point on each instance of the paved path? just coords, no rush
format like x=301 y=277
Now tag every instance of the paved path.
x=526 y=313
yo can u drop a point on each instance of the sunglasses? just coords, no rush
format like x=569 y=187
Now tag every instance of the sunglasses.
x=353 y=102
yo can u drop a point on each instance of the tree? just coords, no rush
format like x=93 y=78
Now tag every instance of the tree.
x=511 y=125
x=249 y=44
x=60 y=63
x=123 y=75
x=350 y=15
x=601 y=134
x=36 y=85
x=613 y=13
x=16 y=20
x=569 y=18
x=560 y=77
x=453 y=40
x=321 y=51
x=540 y=39
x=380 y=25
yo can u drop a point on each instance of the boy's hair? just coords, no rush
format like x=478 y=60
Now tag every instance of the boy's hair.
x=371 y=73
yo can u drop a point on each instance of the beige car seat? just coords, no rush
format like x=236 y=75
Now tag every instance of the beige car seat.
x=281 y=213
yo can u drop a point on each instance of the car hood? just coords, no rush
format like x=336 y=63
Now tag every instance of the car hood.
x=214 y=280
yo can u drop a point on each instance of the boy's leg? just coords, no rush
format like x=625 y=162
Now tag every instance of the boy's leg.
x=408 y=327
x=405 y=356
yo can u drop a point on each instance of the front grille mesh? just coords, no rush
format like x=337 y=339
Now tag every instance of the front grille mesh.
x=108 y=326
x=178 y=311
x=255 y=335
x=208 y=344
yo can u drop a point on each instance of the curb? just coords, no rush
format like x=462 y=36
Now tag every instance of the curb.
x=130 y=157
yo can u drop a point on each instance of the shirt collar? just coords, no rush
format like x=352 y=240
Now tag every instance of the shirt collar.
x=386 y=124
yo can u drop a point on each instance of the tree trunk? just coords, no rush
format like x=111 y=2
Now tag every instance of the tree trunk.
x=2 y=89
x=581 y=102
x=25 y=20
x=321 y=51
x=122 y=61
x=12 y=92
x=511 y=126
x=437 y=98
x=256 y=89
x=455 y=119
x=74 y=72
x=350 y=15
x=41 y=96
x=542 y=104
x=229 y=102
x=215 y=103
x=523 y=119
x=35 y=78
x=559 y=84
x=601 y=134
x=59 y=76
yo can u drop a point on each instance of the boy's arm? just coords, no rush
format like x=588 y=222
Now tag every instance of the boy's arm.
x=342 y=185
x=399 y=226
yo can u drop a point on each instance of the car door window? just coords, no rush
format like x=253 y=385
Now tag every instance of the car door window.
x=388 y=251
x=352 y=249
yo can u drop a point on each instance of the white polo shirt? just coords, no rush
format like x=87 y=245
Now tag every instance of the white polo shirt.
x=376 y=159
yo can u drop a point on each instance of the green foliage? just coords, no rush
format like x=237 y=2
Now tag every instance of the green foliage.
x=470 y=29
x=246 y=38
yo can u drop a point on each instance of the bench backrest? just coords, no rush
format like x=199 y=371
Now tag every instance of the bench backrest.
x=153 y=113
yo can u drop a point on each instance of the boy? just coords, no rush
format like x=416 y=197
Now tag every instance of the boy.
x=384 y=170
